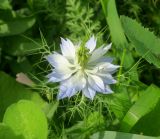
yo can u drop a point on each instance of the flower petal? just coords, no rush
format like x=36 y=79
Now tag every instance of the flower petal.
x=57 y=60
x=76 y=81
x=96 y=83
x=106 y=67
x=58 y=76
x=67 y=48
x=107 y=90
x=107 y=78
x=98 y=53
x=91 y=43
x=63 y=92
x=89 y=92
x=72 y=85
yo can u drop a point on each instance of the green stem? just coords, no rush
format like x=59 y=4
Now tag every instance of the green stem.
x=82 y=100
x=121 y=65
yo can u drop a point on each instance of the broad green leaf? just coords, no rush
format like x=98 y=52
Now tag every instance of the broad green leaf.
x=151 y=127
x=11 y=92
x=144 y=41
x=118 y=135
x=7 y=133
x=27 y=119
x=19 y=46
x=15 y=25
x=4 y=4
x=20 y=65
x=145 y=104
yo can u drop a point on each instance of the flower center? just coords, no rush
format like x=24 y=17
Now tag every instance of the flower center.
x=83 y=56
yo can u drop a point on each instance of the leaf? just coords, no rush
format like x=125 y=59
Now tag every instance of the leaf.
x=7 y=133
x=95 y=121
x=11 y=92
x=151 y=127
x=116 y=31
x=4 y=4
x=118 y=135
x=119 y=103
x=50 y=109
x=16 y=25
x=144 y=41
x=27 y=119
x=19 y=46
x=145 y=104
x=37 y=4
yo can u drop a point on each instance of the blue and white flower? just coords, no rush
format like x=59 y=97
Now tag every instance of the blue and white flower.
x=82 y=68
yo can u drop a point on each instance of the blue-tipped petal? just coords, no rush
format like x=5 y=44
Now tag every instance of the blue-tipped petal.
x=89 y=92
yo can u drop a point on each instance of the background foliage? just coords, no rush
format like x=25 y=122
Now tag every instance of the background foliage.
x=31 y=29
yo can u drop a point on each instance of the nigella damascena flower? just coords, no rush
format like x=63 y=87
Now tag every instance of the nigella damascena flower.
x=82 y=68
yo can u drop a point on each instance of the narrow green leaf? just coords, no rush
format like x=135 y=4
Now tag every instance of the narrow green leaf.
x=116 y=30
x=11 y=92
x=143 y=106
x=118 y=135
x=27 y=119
x=50 y=109
x=144 y=41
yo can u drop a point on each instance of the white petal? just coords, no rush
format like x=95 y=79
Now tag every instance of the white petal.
x=99 y=52
x=76 y=81
x=105 y=67
x=67 y=48
x=91 y=43
x=107 y=90
x=71 y=86
x=96 y=82
x=66 y=92
x=62 y=92
x=58 y=76
x=104 y=59
x=57 y=60
x=89 y=92
x=107 y=78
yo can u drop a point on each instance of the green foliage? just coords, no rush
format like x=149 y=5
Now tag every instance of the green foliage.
x=20 y=46
x=145 y=104
x=116 y=30
x=117 y=33
x=27 y=119
x=31 y=29
x=145 y=42
x=15 y=25
x=50 y=109
x=118 y=135
x=11 y=92
x=5 y=5
x=7 y=133
x=83 y=129
x=79 y=20
x=119 y=103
